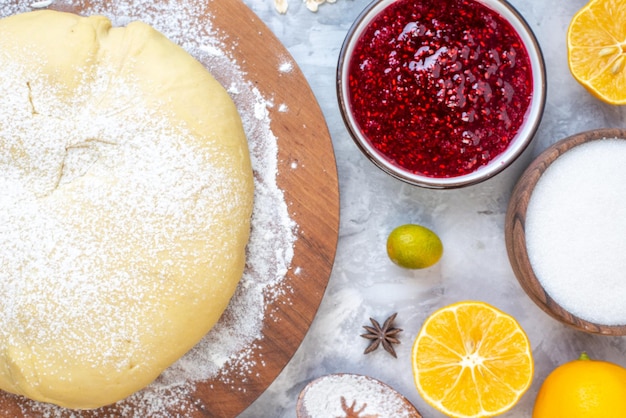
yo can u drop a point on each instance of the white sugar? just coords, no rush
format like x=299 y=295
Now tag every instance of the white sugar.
x=576 y=231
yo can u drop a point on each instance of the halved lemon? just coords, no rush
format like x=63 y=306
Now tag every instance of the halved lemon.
x=596 y=46
x=472 y=360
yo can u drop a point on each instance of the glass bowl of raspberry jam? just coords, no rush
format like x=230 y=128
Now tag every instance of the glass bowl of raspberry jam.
x=441 y=93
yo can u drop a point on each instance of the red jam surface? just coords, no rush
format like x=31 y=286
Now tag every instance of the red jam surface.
x=439 y=87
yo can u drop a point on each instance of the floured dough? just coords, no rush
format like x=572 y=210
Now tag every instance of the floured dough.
x=125 y=200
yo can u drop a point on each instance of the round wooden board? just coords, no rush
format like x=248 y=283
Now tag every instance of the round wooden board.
x=312 y=196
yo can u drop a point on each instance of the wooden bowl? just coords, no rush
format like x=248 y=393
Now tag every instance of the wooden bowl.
x=515 y=229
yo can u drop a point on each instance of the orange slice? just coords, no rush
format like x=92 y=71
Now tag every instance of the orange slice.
x=596 y=45
x=472 y=360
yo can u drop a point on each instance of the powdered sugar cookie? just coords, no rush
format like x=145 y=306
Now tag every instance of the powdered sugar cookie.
x=352 y=395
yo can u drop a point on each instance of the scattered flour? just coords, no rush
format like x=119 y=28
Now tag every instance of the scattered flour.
x=285 y=67
x=229 y=348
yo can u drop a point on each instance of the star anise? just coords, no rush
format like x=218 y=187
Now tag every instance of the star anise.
x=385 y=335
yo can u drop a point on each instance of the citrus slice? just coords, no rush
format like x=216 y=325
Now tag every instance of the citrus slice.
x=596 y=45
x=472 y=360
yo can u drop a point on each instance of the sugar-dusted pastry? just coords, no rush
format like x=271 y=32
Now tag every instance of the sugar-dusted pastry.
x=352 y=395
x=125 y=201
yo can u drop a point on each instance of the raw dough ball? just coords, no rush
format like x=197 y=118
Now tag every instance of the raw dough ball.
x=125 y=201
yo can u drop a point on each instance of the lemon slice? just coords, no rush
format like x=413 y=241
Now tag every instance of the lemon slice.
x=472 y=360
x=596 y=46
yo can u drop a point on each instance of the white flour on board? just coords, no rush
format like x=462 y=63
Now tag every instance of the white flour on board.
x=226 y=353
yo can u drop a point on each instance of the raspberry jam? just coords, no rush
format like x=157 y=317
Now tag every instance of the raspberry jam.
x=439 y=87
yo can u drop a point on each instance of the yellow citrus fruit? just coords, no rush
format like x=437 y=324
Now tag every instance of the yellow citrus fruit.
x=596 y=46
x=414 y=246
x=472 y=360
x=583 y=388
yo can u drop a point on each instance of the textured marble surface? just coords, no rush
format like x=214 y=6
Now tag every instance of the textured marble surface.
x=469 y=221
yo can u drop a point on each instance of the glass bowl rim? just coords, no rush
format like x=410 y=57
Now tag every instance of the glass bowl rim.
x=520 y=141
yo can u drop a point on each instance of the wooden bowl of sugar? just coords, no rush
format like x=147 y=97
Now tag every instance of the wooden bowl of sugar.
x=565 y=231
